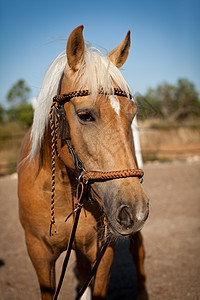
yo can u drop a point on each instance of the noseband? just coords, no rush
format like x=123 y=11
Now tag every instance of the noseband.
x=60 y=138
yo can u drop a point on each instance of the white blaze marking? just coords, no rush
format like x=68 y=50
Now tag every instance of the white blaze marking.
x=114 y=102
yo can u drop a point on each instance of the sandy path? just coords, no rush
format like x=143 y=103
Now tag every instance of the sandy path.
x=172 y=241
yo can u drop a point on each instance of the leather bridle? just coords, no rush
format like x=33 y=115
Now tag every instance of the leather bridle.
x=60 y=137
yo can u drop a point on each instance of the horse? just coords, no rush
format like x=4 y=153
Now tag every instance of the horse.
x=100 y=132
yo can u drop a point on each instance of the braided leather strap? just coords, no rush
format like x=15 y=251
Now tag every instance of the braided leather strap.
x=91 y=176
x=67 y=97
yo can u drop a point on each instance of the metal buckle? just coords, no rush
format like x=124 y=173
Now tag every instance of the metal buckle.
x=81 y=175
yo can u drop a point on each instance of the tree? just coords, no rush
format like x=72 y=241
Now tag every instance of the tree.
x=186 y=99
x=1 y=114
x=19 y=109
x=18 y=93
x=147 y=107
x=25 y=114
x=173 y=102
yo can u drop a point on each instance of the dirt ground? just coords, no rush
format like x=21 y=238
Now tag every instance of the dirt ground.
x=171 y=235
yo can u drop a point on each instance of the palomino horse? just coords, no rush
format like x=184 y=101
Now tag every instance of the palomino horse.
x=101 y=135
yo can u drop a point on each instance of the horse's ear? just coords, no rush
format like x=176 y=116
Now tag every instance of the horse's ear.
x=119 y=54
x=75 y=48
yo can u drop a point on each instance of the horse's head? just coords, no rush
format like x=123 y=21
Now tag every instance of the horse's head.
x=100 y=128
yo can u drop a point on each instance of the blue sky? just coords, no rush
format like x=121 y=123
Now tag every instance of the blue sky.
x=165 y=38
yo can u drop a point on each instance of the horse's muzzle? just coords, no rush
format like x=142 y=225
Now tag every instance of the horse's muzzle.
x=124 y=217
x=128 y=221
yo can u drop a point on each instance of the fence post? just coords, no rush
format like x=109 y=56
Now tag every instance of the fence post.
x=136 y=139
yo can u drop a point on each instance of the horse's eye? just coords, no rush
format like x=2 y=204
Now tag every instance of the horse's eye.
x=85 y=116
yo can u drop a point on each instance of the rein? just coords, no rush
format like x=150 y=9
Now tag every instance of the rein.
x=60 y=137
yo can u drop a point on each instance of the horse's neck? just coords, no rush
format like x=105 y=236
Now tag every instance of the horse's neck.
x=45 y=150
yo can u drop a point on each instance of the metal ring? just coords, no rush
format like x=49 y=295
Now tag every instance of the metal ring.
x=81 y=175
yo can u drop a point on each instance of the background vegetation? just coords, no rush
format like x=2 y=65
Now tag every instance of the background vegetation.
x=165 y=108
x=15 y=118
x=172 y=103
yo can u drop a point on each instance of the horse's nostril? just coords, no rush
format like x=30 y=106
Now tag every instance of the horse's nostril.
x=124 y=216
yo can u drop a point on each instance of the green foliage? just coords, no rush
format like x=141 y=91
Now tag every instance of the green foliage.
x=1 y=114
x=23 y=113
x=170 y=102
x=18 y=93
x=19 y=110
x=12 y=114
x=147 y=107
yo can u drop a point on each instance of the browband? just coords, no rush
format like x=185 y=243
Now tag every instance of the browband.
x=63 y=98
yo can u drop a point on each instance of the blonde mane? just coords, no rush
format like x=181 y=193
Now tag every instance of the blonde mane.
x=96 y=71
